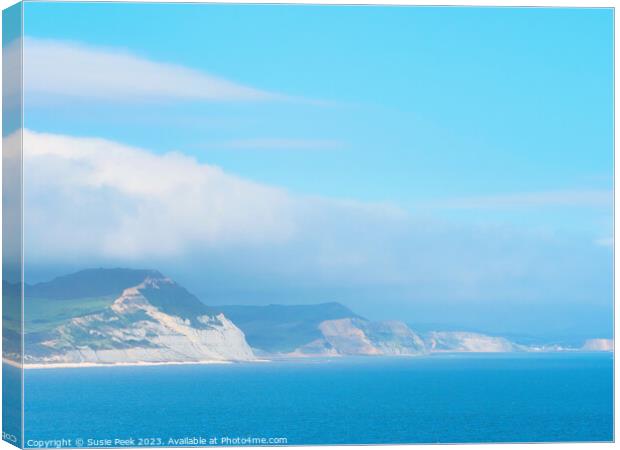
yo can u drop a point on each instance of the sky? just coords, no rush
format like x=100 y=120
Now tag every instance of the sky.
x=449 y=166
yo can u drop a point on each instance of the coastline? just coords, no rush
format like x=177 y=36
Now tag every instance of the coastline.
x=80 y=365
x=39 y=366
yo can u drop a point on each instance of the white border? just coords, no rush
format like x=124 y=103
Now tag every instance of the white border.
x=502 y=3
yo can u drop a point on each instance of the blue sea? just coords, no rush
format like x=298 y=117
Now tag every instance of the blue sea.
x=444 y=398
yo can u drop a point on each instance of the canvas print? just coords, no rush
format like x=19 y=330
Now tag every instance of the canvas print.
x=296 y=224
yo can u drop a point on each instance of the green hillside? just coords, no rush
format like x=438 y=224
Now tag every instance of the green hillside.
x=51 y=303
x=90 y=283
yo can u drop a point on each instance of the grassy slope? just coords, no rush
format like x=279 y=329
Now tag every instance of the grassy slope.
x=54 y=302
x=43 y=314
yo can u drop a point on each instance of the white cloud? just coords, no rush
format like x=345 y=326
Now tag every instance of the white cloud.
x=59 y=68
x=94 y=196
x=126 y=202
x=91 y=202
x=565 y=198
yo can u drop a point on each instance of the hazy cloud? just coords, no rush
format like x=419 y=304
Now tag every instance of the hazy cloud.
x=129 y=202
x=59 y=68
x=96 y=202
x=605 y=242
x=12 y=79
x=567 y=198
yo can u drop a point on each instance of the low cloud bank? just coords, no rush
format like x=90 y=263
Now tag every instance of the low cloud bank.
x=92 y=201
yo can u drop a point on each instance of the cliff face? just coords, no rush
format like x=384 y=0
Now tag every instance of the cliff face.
x=460 y=341
x=393 y=338
x=279 y=329
x=598 y=345
x=355 y=336
x=326 y=329
x=111 y=316
x=151 y=322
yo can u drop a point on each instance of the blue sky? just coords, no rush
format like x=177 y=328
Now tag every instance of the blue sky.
x=492 y=121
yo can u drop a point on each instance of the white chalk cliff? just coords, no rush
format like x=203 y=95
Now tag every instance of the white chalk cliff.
x=598 y=345
x=355 y=336
x=126 y=316
x=133 y=330
x=461 y=341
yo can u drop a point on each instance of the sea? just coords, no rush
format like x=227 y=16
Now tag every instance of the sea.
x=447 y=398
